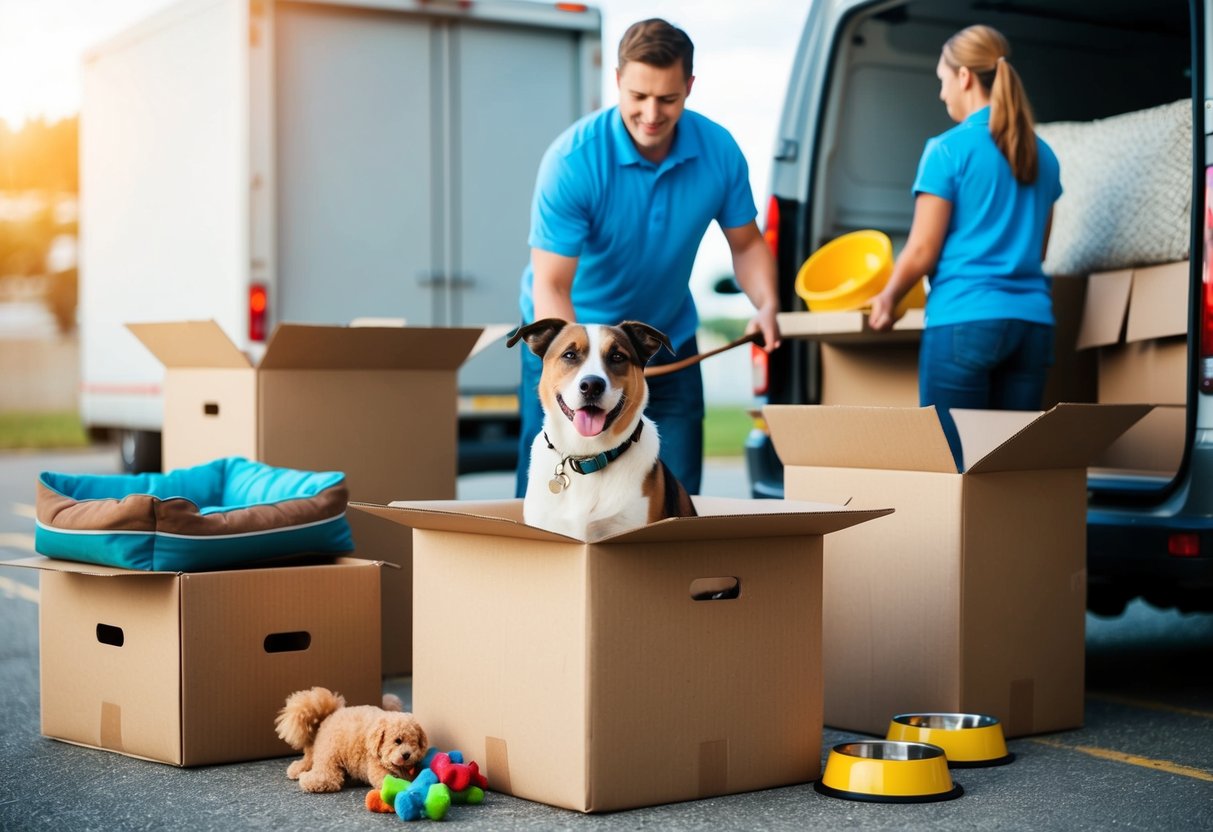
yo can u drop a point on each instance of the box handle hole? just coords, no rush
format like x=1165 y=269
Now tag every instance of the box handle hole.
x=288 y=642
x=210 y=408
x=715 y=589
x=109 y=634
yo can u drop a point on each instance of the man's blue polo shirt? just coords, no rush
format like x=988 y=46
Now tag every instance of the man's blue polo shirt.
x=989 y=267
x=635 y=226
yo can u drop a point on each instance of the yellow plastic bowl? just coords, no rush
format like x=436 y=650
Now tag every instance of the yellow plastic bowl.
x=969 y=740
x=847 y=272
x=886 y=771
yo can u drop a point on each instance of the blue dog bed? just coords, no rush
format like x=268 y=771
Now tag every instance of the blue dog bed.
x=227 y=513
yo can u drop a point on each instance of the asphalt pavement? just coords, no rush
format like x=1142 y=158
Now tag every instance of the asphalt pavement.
x=1143 y=760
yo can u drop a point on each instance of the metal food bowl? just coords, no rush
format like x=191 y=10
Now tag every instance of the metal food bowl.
x=888 y=771
x=969 y=740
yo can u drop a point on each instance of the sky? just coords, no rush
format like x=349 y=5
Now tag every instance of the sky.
x=743 y=53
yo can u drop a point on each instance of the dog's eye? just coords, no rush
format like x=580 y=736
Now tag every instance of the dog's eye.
x=569 y=355
x=617 y=357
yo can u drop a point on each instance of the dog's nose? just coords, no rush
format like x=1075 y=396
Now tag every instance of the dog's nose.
x=592 y=386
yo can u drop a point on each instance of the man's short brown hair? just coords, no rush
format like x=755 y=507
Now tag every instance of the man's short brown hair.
x=657 y=43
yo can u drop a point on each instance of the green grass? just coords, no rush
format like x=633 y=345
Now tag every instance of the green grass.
x=60 y=429
x=725 y=429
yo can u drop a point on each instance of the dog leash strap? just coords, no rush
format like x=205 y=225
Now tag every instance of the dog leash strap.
x=673 y=367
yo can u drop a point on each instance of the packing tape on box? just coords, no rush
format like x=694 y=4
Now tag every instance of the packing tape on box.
x=713 y=767
x=111 y=726
x=497 y=764
x=1023 y=707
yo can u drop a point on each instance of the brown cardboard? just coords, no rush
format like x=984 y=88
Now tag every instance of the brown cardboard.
x=378 y=403
x=191 y=668
x=1106 y=308
x=849 y=327
x=589 y=678
x=1158 y=304
x=882 y=376
x=1154 y=371
x=1153 y=447
x=971 y=597
x=1072 y=376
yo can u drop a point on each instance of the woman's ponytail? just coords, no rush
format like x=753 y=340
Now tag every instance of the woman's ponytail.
x=985 y=51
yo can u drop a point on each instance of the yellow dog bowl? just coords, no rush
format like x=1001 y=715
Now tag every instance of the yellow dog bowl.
x=969 y=740
x=847 y=272
x=886 y=771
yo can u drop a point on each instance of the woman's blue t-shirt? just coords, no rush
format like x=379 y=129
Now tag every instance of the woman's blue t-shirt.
x=990 y=264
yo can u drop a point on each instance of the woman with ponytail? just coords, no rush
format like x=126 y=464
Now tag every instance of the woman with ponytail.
x=983 y=205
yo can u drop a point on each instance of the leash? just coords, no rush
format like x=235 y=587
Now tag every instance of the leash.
x=664 y=369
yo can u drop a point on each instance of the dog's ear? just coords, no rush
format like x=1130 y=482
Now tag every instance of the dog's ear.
x=375 y=741
x=539 y=335
x=646 y=340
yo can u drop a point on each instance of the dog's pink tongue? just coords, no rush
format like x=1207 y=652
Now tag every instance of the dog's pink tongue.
x=589 y=421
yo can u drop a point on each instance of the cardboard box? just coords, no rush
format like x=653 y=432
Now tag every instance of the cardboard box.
x=191 y=668
x=860 y=366
x=971 y=597
x=379 y=403
x=589 y=677
x=1153 y=447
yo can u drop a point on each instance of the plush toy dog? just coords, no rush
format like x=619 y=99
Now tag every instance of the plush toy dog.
x=363 y=742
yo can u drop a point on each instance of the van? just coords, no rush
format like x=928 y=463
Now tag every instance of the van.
x=1117 y=87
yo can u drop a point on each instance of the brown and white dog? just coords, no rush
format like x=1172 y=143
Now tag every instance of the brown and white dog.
x=594 y=467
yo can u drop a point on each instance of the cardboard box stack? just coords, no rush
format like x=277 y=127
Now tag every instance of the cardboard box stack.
x=606 y=675
x=1135 y=324
x=971 y=597
x=191 y=669
x=379 y=403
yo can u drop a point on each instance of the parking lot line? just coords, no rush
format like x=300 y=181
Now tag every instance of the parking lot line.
x=1145 y=703
x=1131 y=759
x=16 y=589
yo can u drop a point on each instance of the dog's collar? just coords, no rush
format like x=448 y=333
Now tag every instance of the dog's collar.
x=590 y=464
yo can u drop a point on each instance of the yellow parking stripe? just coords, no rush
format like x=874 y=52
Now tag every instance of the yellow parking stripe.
x=1131 y=759
x=1153 y=706
x=15 y=589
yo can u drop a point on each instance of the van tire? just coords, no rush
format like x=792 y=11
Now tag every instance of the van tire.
x=140 y=451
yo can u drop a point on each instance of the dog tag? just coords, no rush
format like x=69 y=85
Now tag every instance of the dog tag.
x=559 y=483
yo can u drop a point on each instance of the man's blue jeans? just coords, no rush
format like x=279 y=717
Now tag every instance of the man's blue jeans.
x=983 y=365
x=675 y=405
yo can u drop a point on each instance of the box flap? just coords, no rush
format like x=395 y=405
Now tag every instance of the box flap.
x=1068 y=436
x=496 y=517
x=720 y=519
x=1158 y=302
x=79 y=567
x=1103 y=314
x=195 y=344
x=317 y=347
x=841 y=436
x=849 y=327
x=491 y=334
x=725 y=519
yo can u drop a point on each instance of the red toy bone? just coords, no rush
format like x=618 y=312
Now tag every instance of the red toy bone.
x=457 y=776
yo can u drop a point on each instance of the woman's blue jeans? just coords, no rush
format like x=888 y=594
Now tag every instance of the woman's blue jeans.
x=983 y=365
x=675 y=405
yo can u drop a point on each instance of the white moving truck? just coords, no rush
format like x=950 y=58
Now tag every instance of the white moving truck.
x=256 y=162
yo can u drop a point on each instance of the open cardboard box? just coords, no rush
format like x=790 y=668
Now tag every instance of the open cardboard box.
x=192 y=668
x=972 y=596
x=587 y=675
x=376 y=402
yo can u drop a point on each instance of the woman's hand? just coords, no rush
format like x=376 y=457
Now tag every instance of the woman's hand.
x=884 y=311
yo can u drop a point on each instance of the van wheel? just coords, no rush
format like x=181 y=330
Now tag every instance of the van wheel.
x=140 y=450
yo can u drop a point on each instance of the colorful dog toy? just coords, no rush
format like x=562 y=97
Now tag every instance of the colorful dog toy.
x=444 y=778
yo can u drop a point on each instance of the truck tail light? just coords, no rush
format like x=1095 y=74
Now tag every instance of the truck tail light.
x=771 y=233
x=1206 y=305
x=759 y=369
x=1183 y=545
x=258 y=301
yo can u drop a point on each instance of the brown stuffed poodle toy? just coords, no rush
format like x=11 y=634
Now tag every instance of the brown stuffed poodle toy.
x=363 y=742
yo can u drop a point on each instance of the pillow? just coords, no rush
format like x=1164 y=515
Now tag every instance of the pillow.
x=228 y=512
x=1127 y=190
